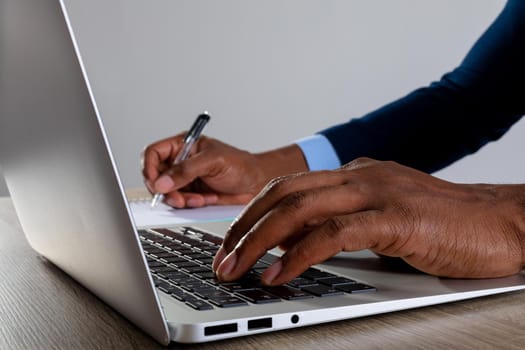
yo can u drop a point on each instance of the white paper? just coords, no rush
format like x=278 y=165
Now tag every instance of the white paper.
x=162 y=214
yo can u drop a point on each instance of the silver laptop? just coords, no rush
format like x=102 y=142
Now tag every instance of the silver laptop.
x=69 y=199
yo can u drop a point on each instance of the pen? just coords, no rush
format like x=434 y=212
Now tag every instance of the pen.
x=191 y=137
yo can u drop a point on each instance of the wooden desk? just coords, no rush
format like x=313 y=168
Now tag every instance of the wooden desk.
x=43 y=308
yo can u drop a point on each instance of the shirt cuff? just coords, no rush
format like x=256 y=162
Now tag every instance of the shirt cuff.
x=319 y=153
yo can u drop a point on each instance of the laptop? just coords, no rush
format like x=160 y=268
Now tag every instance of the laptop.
x=66 y=190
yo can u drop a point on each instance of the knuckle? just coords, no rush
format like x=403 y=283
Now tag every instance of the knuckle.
x=409 y=219
x=220 y=160
x=336 y=230
x=277 y=184
x=295 y=201
x=251 y=245
x=335 y=226
x=303 y=257
x=365 y=162
x=230 y=240
x=360 y=162
x=182 y=172
x=234 y=236
x=146 y=152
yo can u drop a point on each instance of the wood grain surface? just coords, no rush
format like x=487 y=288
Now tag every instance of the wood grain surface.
x=43 y=308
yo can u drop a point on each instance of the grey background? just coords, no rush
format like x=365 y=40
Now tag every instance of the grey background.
x=272 y=71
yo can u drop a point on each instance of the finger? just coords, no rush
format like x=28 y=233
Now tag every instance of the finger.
x=198 y=200
x=175 y=199
x=352 y=232
x=147 y=184
x=233 y=199
x=290 y=241
x=274 y=192
x=180 y=199
x=156 y=157
x=289 y=216
x=184 y=173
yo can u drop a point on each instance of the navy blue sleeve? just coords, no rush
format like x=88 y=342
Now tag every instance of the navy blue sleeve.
x=434 y=126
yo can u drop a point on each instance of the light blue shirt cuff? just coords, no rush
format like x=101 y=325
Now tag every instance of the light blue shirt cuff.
x=319 y=153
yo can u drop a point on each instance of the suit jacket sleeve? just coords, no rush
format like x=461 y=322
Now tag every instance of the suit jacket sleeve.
x=433 y=126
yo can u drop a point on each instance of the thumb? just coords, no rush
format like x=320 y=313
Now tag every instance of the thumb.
x=184 y=173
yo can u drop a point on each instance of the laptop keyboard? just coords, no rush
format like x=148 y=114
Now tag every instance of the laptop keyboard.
x=180 y=261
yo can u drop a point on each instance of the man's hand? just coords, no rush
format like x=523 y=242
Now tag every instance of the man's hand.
x=214 y=173
x=441 y=228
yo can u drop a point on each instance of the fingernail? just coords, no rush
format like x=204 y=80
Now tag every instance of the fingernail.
x=272 y=272
x=219 y=257
x=164 y=183
x=227 y=265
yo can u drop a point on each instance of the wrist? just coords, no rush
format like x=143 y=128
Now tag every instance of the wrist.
x=520 y=220
x=282 y=161
x=515 y=196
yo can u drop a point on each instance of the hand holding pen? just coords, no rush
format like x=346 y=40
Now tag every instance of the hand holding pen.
x=216 y=173
x=189 y=140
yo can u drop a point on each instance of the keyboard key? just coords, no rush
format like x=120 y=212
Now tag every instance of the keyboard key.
x=211 y=239
x=168 y=233
x=179 y=295
x=199 y=246
x=322 y=290
x=336 y=281
x=196 y=255
x=230 y=301
x=174 y=259
x=184 y=263
x=258 y=296
x=153 y=250
x=176 y=277
x=248 y=282
x=314 y=274
x=155 y=263
x=193 y=233
x=205 y=261
x=148 y=235
x=208 y=275
x=288 y=293
x=356 y=288
x=259 y=268
x=165 y=287
x=220 y=298
x=212 y=292
x=179 y=249
x=162 y=269
x=211 y=251
x=193 y=285
x=302 y=282
x=164 y=255
x=198 y=304
x=196 y=269
x=260 y=265
x=269 y=258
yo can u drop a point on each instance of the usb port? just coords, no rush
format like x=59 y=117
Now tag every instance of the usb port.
x=260 y=323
